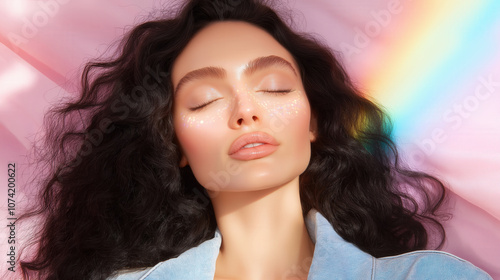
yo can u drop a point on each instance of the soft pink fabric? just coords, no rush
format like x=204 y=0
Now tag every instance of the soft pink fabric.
x=45 y=43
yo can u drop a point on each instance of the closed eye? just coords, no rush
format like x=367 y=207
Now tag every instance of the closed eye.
x=198 y=107
x=277 y=91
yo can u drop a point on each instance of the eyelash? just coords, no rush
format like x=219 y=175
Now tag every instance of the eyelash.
x=273 y=92
x=277 y=92
x=198 y=107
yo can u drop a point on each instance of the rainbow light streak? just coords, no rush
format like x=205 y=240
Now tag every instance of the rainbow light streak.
x=423 y=72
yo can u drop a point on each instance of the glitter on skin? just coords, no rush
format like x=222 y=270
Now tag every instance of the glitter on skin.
x=287 y=110
x=194 y=121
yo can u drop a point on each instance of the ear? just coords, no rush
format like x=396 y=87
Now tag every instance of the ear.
x=183 y=162
x=313 y=128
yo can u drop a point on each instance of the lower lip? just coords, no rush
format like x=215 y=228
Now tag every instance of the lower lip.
x=254 y=152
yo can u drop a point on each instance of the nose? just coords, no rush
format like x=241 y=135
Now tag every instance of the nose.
x=245 y=111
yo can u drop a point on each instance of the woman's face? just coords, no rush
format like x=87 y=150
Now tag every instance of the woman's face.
x=241 y=115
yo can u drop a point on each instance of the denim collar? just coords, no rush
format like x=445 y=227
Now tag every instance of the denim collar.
x=334 y=258
x=199 y=262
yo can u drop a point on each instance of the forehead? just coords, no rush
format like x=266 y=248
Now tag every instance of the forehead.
x=230 y=45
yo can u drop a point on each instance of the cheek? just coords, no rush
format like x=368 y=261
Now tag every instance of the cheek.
x=299 y=127
x=291 y=117
x=292 y=121
x=192 y=129
x=200 y=141
x=298 y=131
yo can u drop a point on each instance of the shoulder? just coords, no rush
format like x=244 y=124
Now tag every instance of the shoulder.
x=130 y=274
x=426 y=265
x=335 y=257
x=195 y=263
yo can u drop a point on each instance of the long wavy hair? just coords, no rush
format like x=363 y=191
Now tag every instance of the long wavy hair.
x=115 y=197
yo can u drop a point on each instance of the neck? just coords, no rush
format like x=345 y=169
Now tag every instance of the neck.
x=264 y=235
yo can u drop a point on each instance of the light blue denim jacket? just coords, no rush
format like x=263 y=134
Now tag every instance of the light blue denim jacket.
x=334 y=258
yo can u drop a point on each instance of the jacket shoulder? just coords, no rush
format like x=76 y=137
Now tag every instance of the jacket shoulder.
x=131 y=274
x=426 y=265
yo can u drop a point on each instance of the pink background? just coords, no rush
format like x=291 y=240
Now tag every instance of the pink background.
x=434 y=65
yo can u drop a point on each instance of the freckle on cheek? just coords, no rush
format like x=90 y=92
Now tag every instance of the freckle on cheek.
x=190 y=121
x=288 y=110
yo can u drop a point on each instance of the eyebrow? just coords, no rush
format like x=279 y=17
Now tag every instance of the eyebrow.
x=253 y=66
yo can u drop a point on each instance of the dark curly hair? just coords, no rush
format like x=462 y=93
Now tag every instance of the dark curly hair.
x=116 y=199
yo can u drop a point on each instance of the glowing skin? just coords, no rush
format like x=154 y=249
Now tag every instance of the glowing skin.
x=232 y=80
x=239 y=105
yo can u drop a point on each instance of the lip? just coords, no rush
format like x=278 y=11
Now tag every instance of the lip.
x=236 y=150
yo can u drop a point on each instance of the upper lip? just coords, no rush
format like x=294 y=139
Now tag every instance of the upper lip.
x=249 y=138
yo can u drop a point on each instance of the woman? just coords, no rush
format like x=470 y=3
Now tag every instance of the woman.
x=222 y=145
